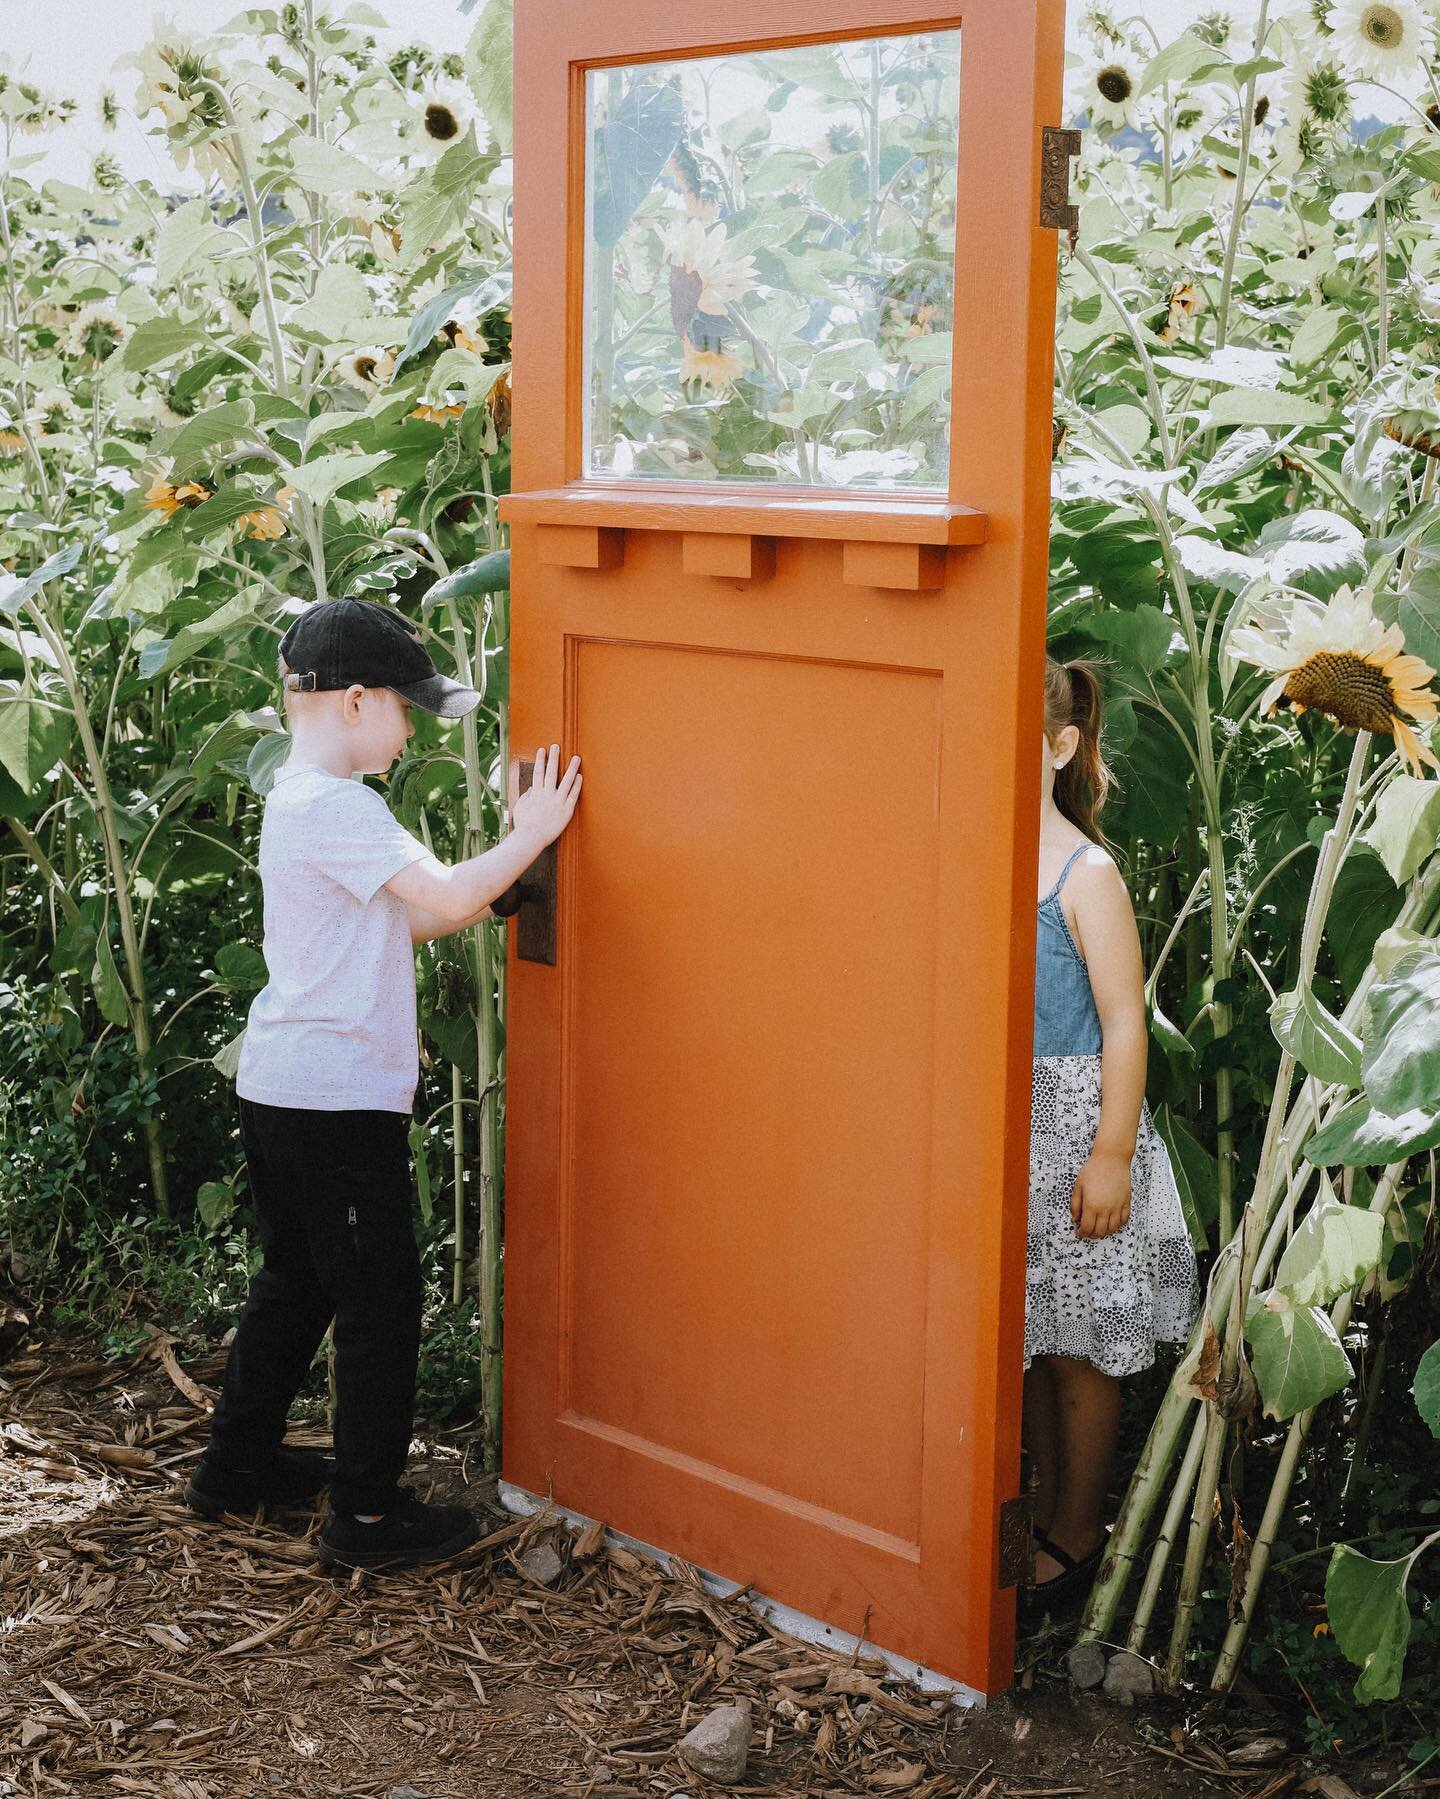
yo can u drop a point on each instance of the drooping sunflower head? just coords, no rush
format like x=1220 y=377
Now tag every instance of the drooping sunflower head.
x=96 y=331
x=713 y=368
x=1341 y=661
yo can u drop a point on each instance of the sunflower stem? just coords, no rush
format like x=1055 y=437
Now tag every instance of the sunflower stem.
x=1228 y=1661
x=1332 y=854
x=1237 y=216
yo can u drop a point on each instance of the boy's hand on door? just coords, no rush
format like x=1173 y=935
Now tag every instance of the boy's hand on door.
x=548 y=803
x=1100 y=1204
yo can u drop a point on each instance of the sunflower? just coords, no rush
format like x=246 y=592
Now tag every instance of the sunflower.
x=706 y=257
x=11 y=442
x=367 y=368
x=447 y=111
x=164 y=496
x=267 y=522
x=54 y=410
x=712 y=368
x=1340 y=660
x=1108 y=90
x=1183 y=301
x=96 y=331
x=1388 y=40
x=438 y=415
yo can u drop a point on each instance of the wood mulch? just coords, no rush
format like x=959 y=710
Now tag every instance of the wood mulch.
x=144 y=1650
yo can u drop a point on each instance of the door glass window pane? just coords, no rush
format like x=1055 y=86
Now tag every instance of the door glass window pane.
x=769 y=264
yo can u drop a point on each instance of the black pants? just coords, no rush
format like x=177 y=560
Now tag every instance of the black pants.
x=332 y=1198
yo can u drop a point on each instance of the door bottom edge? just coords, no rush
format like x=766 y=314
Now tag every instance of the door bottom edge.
x=784 y=1617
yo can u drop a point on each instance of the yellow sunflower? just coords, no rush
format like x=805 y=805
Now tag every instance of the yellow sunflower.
x=1340 y=660
x=437 y=415
x=267 y=522
x=1183 y=302
x=11 y=442
x=713 y=368
x=165 y=497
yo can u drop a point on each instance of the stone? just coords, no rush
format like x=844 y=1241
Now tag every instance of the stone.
x=404 y=1793
x=542 y=1564
x=1085 y=1664
x=1129 y=1678
x=719 y=1745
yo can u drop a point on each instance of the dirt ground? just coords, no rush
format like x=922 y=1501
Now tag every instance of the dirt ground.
x=146 y=1651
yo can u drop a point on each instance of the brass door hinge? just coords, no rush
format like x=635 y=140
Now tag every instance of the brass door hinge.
x=1057 y=213
x=1015 y=1541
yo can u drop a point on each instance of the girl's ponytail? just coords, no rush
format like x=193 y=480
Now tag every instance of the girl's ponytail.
x=1074 y=696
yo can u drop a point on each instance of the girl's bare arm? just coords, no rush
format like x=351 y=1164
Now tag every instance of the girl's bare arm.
x=1110 y=943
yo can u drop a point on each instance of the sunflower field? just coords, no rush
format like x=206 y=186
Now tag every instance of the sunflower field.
x=216 y=408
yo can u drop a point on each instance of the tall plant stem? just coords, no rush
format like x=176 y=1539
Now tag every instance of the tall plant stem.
x=1147 y=366
x=457 y=1135
x=1217 y=1426
x=137 y=999
x=1232 y=1648
x=56 y=885
x=279 y=377
x=1237 y=217
x=1166 y=1538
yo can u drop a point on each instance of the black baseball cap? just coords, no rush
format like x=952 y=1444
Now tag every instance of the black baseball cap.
x=338 y=643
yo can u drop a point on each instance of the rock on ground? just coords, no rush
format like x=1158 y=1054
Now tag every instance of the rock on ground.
x=1129 y=1678
x=719 y=1745
x=542 y=1564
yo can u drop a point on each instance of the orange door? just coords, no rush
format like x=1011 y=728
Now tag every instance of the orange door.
x=781 y=584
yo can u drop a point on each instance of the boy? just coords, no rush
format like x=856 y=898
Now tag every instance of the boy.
x=326 y=1085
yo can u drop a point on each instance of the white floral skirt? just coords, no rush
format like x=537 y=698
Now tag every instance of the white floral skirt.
x=1108 y=1300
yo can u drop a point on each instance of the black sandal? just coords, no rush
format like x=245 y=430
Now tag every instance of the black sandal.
x=1074 y=1576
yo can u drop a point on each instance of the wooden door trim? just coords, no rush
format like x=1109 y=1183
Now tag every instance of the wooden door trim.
x=760 y=511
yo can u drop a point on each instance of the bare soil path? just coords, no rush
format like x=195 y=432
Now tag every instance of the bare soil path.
x=146 y=1651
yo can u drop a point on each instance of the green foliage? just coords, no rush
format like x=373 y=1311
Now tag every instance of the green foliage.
x=218 y=430
x=1370 y=1619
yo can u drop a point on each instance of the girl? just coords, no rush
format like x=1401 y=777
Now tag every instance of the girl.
x=1109 y=1266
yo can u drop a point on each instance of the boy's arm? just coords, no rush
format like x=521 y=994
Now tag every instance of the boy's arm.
x=456 y=896
x=424 y=926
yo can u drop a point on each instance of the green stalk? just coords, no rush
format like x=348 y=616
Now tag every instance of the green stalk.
x=56 y=886
x=457 y=1132
x=1421 y=912
x=1237 y=217
x=1228 y=1662
x=1217 y=1425
x=1166 y=1538
x=137 y=999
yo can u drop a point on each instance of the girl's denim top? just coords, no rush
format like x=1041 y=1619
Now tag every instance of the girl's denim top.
x=1066 y=1022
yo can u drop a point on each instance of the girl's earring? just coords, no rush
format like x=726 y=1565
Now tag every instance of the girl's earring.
x=1060 y=765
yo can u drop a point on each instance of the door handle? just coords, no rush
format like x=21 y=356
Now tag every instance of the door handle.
x=531 y=899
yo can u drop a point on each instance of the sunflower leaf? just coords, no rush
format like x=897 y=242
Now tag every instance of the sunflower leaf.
x=1317 y=1040
x=1406 y=826
x=1297 y=1357
x=1332 y=1251
x=1359 y=1136
x=1369 y=1618
x=1401 y=1064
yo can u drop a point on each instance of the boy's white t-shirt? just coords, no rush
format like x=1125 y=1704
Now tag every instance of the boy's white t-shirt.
x=334 y=1027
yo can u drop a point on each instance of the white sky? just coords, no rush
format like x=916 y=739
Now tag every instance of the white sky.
x=71 y=47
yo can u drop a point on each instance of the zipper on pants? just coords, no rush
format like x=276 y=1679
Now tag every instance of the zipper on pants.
x=354 y=1232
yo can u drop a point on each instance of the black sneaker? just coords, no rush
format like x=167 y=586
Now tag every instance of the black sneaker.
x=409 y=1532
x=293 y=1478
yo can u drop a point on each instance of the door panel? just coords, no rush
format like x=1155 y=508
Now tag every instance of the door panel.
x=754 y=949
x=767 y=1119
